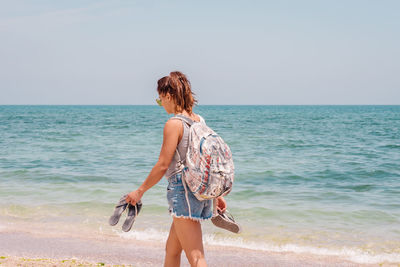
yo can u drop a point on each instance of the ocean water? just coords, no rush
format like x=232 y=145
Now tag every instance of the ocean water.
x=309 y=179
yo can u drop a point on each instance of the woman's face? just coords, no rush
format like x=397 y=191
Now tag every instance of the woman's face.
x=168 y=103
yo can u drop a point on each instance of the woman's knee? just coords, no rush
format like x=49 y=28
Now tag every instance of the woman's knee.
x=196 y=255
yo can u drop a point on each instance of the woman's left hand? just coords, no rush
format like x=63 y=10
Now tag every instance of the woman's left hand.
x=134 y=197
x=221 y=204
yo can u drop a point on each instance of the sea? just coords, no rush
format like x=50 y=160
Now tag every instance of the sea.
x=312 y=179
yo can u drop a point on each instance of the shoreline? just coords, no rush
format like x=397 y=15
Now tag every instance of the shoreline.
x=88 y=238
x=50 y=242
x=22 y=248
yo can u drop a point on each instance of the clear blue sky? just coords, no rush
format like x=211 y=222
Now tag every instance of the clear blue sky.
x=234 y=52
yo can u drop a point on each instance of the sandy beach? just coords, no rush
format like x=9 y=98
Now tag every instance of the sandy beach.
x=19 y=248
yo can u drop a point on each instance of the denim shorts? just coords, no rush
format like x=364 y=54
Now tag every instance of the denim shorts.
x=183 y=203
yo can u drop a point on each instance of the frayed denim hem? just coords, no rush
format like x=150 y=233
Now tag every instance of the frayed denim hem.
x=196 y=219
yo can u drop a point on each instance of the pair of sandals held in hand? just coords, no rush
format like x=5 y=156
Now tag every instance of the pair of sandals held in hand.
x=223 y=220
x=133 y=211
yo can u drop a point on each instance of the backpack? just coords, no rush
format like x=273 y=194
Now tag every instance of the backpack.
x=208 y=169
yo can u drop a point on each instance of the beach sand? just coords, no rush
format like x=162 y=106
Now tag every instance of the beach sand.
x=19 y=248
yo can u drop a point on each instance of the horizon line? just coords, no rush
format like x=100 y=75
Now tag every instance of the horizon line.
x=202 y=105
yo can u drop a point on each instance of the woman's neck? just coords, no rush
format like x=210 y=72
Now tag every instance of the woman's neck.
x=184 y=113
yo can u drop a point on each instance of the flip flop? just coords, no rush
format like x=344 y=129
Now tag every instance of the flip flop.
x=225 y=221
x=133 y=211
x=118 y=210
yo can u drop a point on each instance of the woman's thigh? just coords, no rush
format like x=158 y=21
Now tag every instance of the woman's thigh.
x=173 y=245
x=190 y=236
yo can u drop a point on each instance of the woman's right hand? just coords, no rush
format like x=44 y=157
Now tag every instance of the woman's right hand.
x=134 y=197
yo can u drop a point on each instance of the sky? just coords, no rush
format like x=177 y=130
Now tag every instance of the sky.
x=83 y=52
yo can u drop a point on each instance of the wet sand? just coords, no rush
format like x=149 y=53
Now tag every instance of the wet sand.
x=19 y=248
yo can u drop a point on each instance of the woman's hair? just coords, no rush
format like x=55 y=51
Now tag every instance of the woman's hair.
x=178 y=86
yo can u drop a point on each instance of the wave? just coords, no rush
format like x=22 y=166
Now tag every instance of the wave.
x=353 y=254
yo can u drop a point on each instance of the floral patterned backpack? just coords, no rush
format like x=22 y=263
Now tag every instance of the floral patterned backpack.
x=208 y=169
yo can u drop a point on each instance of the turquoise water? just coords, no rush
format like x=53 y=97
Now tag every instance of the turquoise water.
x=320 y=179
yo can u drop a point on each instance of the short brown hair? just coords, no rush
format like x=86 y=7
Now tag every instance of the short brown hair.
x=178 y=86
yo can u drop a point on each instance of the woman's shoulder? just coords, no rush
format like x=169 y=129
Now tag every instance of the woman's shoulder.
x=173 y=122
x=173 y=128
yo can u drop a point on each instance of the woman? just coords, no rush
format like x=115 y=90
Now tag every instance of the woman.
x=185 y=234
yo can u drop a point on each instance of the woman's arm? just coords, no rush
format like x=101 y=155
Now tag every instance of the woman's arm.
x=173 y=131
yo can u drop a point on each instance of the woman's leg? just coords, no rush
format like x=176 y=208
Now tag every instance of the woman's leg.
x=190 y=237
x=173 y=249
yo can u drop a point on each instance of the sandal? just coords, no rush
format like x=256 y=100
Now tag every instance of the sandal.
x=118 y=210
x=133 y=211
x=225 y=220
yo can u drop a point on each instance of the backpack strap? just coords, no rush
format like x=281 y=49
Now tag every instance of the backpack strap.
x=201 y=119
x=189 y=121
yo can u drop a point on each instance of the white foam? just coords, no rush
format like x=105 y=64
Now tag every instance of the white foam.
x=352 y=254
x=149 y=234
